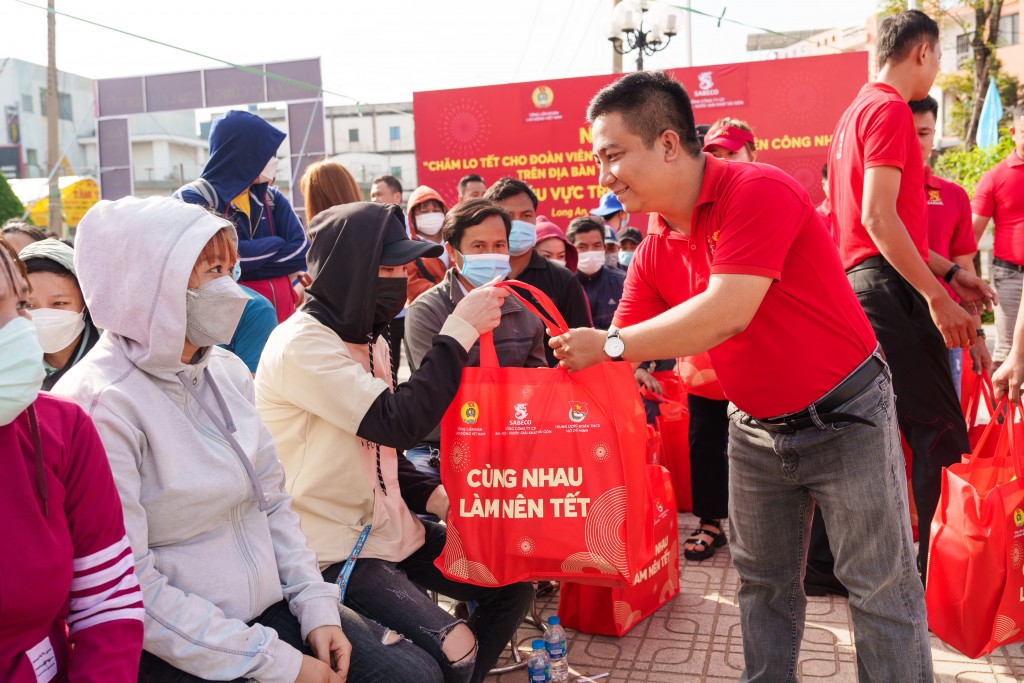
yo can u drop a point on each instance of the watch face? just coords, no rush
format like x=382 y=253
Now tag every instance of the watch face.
x=614 y=347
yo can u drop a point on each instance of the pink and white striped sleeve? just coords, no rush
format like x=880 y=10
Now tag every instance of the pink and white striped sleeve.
x=105 y=618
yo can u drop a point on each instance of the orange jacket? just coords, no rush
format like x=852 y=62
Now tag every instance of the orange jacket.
x=423 y=273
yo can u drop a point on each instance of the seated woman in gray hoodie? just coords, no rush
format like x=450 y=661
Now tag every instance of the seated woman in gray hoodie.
x=230 y=586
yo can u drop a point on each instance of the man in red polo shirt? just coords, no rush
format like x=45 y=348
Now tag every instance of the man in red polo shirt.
x=876 y=176
x=950 y=232
x=737 y=263
x=999 y=196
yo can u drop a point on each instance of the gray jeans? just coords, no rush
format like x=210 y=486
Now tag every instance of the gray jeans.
x=856 y=474
x=1008 y=284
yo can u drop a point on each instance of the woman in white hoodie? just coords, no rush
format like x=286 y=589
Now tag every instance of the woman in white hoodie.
x=231 y=589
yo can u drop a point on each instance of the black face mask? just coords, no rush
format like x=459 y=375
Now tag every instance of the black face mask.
x=390 y=299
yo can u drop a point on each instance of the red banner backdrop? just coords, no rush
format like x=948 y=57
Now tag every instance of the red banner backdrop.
x=537 y=131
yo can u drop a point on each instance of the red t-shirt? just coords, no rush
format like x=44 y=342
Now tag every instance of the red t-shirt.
x=1000 y=196
x=877 y=129
x=810 y=331
x=950 y=231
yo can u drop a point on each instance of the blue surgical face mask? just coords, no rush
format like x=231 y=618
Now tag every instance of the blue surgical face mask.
x=480 y=269
x=625 y=257
x=21 y=368
x=522 y=238
x=236 y=272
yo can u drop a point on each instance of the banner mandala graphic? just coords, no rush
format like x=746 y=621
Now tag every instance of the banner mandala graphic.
x=525 y=546
x=1004 y=628
x=458 y=455
x=605 y=531
x=601 y=452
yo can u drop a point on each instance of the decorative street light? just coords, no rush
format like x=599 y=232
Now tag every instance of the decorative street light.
x=648 y=27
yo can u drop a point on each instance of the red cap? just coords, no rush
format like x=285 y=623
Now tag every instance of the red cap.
x=729 y=137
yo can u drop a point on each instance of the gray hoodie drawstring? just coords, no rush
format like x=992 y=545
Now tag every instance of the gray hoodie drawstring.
x=226 y=428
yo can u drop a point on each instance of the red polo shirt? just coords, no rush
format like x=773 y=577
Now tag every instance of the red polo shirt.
x=950 y=231
x=810 y=331
x=877 y=129
x=1000 y=196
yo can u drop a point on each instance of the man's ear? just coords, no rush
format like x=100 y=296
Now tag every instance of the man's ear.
x=451 y=252
x=670 y=144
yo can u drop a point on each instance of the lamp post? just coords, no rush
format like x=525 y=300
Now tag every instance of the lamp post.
x=642 y=25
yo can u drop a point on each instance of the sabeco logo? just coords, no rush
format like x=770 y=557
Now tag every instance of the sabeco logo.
x=577 y=411
x=522 y=416
x=705 y=85
x=543 y=97
x=521 y=413
x=470 y=412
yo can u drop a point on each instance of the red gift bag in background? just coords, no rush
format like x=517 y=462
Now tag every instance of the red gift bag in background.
x=541 y=468
x=975 y=591
x=614 y=611
x=674 y=427
x=981 y=393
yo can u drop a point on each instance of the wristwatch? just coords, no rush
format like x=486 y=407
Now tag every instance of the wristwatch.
x=613 y=346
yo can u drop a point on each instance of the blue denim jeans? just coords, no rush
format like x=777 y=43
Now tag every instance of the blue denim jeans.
x=420 y=456
x=856 y=474
x=956 y=366
x=390 y=594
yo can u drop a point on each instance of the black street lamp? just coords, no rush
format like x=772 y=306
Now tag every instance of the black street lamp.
x=642 y=25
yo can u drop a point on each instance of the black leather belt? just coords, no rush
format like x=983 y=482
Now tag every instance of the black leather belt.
x=1006 y=264
x=825 y=407
x=877 y=261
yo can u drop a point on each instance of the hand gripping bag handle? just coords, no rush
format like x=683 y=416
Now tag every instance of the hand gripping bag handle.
x=553 y=321
x=994 y=429
x=982 y=390
x=1014 y=431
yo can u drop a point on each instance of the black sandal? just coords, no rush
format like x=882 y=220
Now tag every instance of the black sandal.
x=705 y=549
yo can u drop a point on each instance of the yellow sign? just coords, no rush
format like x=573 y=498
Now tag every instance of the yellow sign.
x=75 y=199
x=470 y=412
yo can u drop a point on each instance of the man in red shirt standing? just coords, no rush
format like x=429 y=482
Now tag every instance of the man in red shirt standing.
x=999 y=196
x=950 y=231
x=876 y=176
x=737 y=263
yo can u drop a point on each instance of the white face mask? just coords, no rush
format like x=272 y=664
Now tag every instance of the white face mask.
x=558 y=261
x=590 y=262
x=212 y=312
x=57 y=329
x=21 y=368
x=269 y=172
x=429 y=223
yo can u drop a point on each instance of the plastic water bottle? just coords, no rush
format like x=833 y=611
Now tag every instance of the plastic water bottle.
x=558 y=652
x=538 y=666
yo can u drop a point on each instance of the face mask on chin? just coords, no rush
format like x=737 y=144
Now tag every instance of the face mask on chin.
x=21 y=368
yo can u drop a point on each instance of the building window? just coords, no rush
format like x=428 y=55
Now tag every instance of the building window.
x=1009 y=30
x=396 y=171
x=963 y=50
x=353 y=135
x=395 y=133
x=31 y=157
x=64 y=105
x=26 y=104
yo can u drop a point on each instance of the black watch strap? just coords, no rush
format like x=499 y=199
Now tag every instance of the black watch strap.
x=948 y=277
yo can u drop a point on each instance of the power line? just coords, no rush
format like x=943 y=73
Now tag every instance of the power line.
x=526 y=45
x=242 y=67
x=561 y=32
x=719 y=18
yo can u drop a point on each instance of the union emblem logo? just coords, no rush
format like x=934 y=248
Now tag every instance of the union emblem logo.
x=1018 y=517
x=577 y=411
x=470 y=412
x=543 y=97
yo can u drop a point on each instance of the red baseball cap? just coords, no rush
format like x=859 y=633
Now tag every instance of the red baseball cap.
x=729 y=137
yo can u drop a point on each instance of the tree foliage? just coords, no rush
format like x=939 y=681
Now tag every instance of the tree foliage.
x=10 y=205
x=965 y=167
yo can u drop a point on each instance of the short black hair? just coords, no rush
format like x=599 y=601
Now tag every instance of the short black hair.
x=467 y=179
x=584 y=224
x=470 y=213
x=824 y=171
x=650 y=103
x=389 y=180
x=925 y=105
x=16 y=226
x=509 y=187
x=901 y=33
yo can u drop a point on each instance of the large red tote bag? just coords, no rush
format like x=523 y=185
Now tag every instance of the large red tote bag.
x=545 y=471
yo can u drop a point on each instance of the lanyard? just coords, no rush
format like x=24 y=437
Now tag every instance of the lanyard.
x=350 y=563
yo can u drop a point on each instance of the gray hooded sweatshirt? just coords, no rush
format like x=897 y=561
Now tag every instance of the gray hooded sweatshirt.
x=209 y=559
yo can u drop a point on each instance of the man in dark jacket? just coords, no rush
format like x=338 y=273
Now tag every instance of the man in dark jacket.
x=237 y=182
x=601 y=283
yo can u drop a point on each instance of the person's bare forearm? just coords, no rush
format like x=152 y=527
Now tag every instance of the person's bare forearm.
x=894 y=243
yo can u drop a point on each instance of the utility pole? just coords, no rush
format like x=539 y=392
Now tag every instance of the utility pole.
x=53 y=121
x=616 y=57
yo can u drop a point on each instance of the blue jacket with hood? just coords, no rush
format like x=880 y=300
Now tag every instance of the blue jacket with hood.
x=271 y=243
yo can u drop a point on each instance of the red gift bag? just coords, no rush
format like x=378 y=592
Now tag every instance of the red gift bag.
x=674 y=428
x=699 y=377
x=975 y=592
x=614 y=611
x=981 y=392
x=541 y=468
